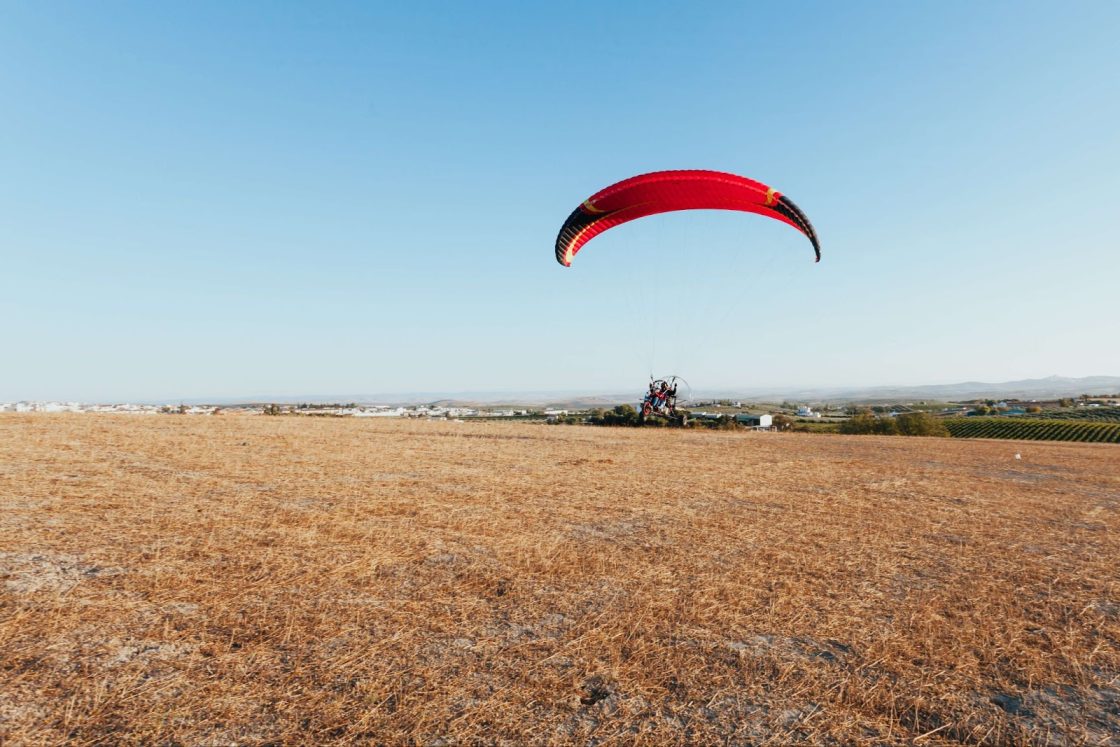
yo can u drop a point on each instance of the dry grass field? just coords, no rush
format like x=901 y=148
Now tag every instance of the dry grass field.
x=251 y=580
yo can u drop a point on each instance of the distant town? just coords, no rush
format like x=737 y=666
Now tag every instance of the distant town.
x=1053 y=396
x=349 y=410
x=702 y=408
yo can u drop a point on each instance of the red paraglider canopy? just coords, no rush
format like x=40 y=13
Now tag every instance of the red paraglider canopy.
x=666 y=191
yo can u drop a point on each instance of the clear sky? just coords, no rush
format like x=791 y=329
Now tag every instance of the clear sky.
x=239 y=199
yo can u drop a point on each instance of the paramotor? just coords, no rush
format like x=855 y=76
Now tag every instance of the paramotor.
x=663 y=396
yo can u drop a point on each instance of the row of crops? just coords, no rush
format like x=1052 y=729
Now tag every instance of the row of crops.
x=1034 y=429
x=1100 y=414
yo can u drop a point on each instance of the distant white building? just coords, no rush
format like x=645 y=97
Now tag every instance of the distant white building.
x=47 y=407
x=807 y=412
x=378 y=412
x=759 y=422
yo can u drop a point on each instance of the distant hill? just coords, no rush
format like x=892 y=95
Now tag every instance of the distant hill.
x=536 y=399
x=1049 y=387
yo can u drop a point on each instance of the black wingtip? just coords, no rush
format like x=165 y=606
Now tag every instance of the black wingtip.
x=576 y=222
x=789 y=209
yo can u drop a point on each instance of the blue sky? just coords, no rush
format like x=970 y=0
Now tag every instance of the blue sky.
x=241 y=199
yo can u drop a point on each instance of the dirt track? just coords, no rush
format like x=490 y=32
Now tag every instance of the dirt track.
x=217 y=580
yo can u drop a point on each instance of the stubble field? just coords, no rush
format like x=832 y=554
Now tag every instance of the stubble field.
x=251 y=580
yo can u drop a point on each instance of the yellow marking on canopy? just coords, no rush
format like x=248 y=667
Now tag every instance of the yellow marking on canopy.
x=771 y=193
x=591 y=207
x=568 y=253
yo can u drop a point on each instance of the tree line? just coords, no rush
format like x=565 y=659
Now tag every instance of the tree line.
x=906 y=424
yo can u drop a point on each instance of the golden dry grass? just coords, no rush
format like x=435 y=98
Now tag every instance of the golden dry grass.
x=259 y=580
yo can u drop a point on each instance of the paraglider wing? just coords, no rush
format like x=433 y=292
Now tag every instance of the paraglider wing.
x=667 y=191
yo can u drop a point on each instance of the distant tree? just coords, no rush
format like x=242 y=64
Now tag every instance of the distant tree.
x=272 y=409
x=782 y=422
x=1033 y=409
x=722 y=423
x=920 y=424
x=866 y=423
x=980 y=410
x=619 y=415
x=886 y=426
x=860 y=423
